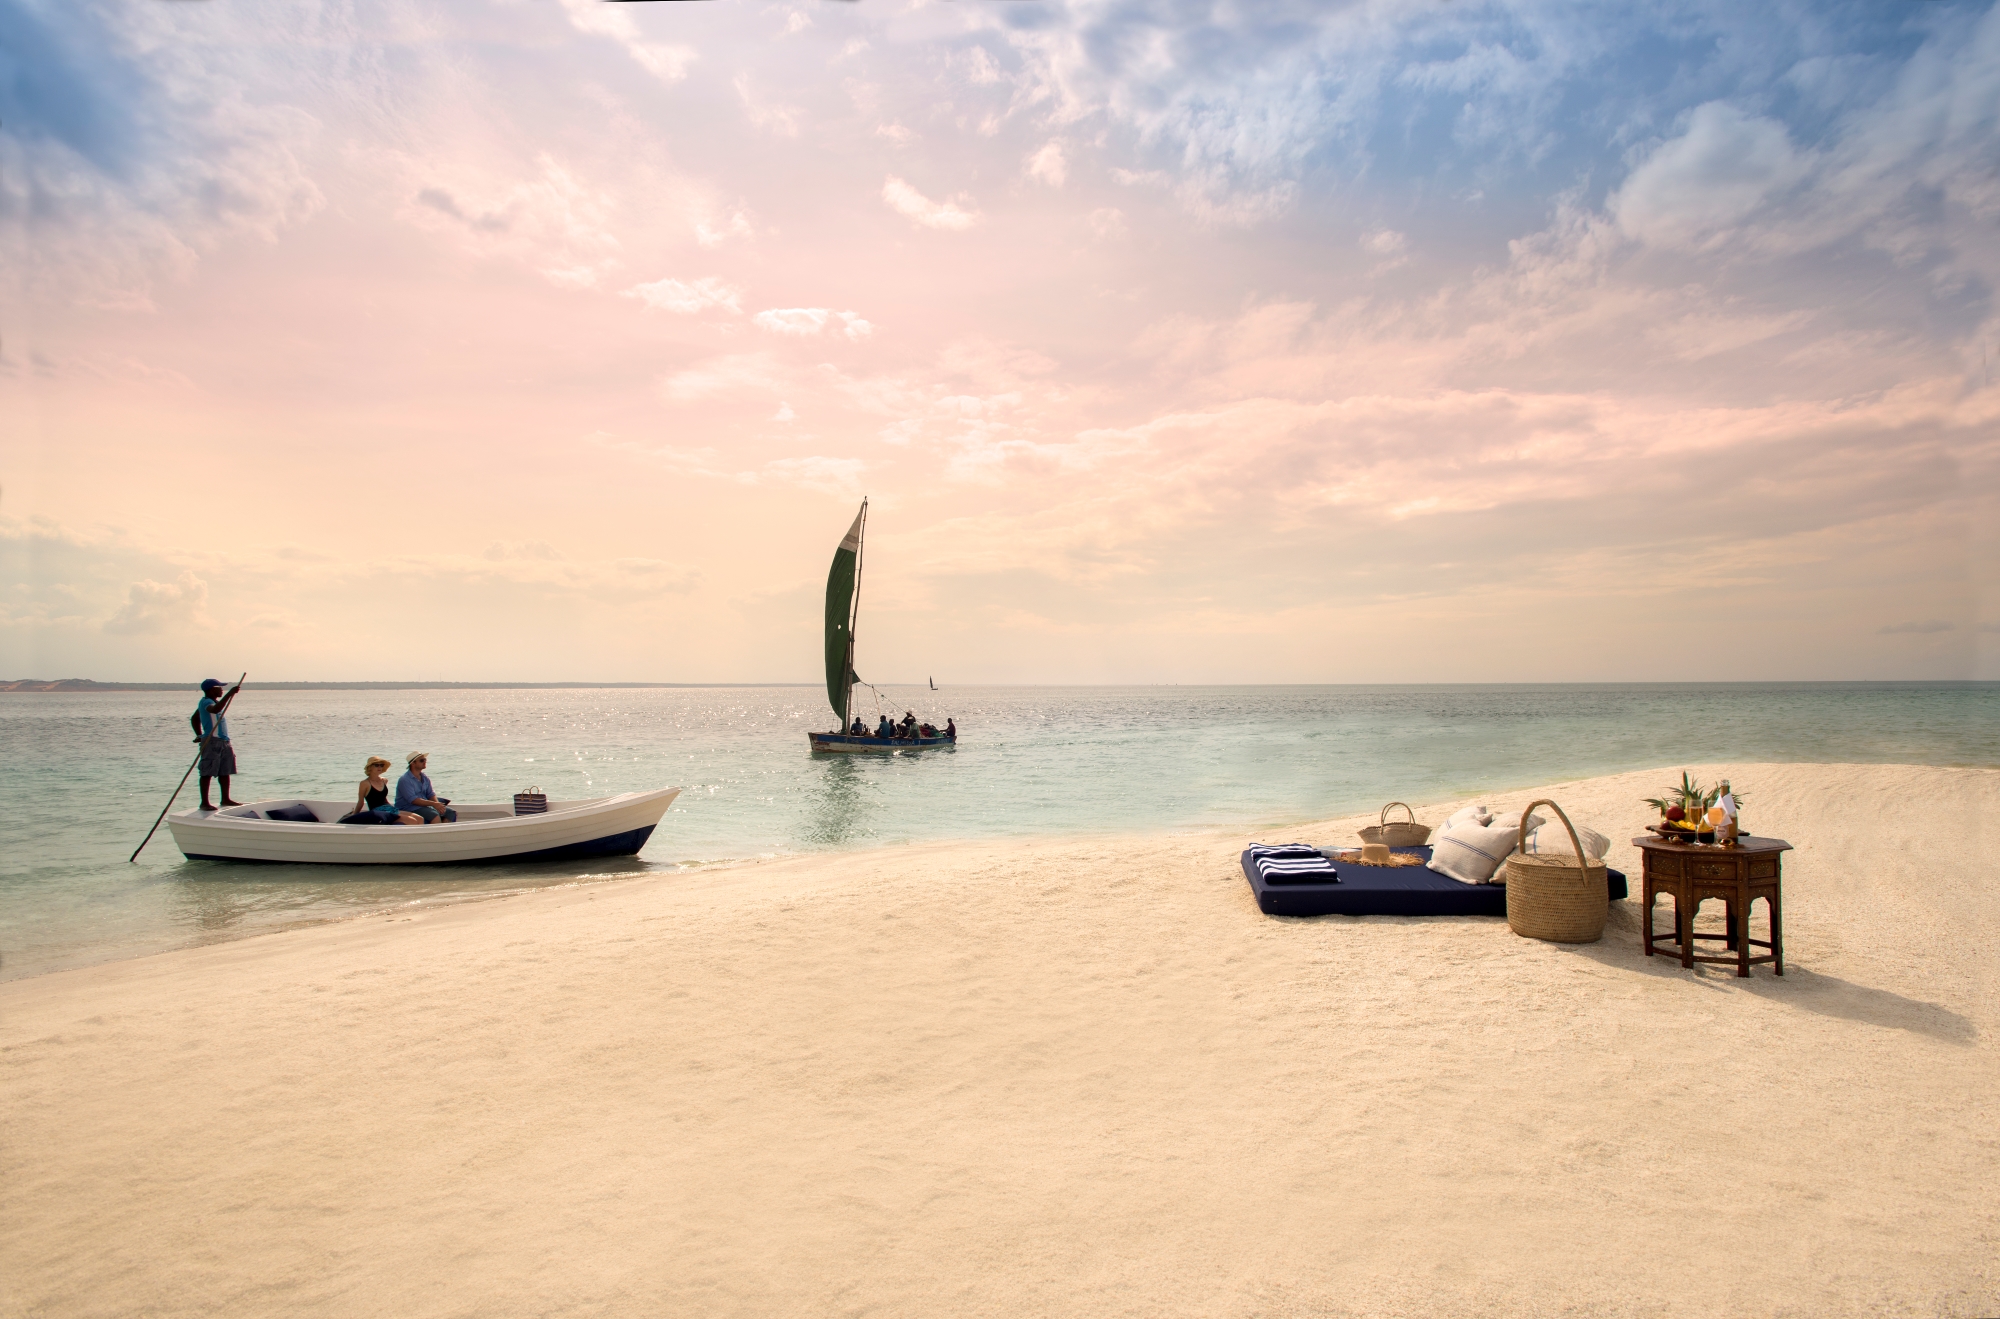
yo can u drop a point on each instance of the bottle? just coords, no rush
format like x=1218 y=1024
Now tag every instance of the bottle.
x=1727 y=834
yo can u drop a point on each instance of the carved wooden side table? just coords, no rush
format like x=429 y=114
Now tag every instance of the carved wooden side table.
x=1691 y=874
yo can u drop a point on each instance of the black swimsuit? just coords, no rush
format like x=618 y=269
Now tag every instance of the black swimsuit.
x=377 y=811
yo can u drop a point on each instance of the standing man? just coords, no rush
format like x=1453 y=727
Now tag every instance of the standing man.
x=218 y=756
x=415 y=794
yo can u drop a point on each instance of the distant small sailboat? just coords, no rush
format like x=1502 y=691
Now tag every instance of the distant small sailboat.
x=843 y=611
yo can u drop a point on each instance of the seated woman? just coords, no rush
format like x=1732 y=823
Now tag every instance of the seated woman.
x=371 y=799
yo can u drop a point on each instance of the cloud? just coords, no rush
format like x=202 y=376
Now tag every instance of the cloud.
x=978 y=65
x=805 y=321
x=1925 y=629
x=774 y=117
x=1389 y=248
x=741 y=373
x=1716 y=173
x=686 y=298
x=124 y=160
x=656 y=576
x=908 y=202
x=1108 y=222
x=555 y=222
x=1046 y=165
x=712 y=231
x=1704 y=334
x=157 y=606
x=499 y=551
x=837 y=476
x=664 y=60
x=490 y=222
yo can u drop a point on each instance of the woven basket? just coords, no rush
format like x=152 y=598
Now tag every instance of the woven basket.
x=1401 y=833
x=532 y=802
x=1562 y=899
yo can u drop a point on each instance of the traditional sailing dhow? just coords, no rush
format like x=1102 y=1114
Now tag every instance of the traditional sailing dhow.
x=843 y=608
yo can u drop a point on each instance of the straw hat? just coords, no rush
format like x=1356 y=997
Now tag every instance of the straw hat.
x=415 y=756
x=1375 y=854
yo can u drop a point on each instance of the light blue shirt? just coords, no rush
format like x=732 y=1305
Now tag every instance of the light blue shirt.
x=412 y=786
x=212 y=724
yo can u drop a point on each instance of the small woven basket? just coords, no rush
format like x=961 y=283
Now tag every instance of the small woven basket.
x=1563 y=899
x=1398 y=833
x=532 y=802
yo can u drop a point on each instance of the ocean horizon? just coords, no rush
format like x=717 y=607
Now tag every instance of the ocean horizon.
x=86 y=686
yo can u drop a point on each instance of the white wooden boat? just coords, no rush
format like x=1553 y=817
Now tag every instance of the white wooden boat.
x=567 y=831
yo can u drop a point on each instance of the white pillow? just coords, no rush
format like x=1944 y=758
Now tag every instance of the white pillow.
x=1553 y=840
x=1512 y=820
x=1470 y=852
x=1464 y=813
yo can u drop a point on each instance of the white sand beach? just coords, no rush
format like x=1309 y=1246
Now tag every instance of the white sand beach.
x=1052 y=1078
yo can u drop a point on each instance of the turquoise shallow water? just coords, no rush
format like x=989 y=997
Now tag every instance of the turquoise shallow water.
x=83 y=776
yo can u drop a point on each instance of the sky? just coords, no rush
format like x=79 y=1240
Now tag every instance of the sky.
x=1170 y=341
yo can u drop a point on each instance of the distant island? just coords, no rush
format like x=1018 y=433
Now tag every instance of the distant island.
x=84 y=686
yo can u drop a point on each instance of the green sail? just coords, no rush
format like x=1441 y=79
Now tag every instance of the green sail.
x=840 y=583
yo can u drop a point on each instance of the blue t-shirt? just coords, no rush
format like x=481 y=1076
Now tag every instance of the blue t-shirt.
x=412 y=786
x=212 y=724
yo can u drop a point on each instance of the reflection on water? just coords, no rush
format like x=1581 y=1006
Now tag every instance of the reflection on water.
x=85 y=775
x=216 y=899
x=837 y=806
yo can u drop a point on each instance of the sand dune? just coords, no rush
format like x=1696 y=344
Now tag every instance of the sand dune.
x=1050 y=1078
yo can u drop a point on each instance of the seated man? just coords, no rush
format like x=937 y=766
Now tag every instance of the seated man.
x=859 y=729
x=909 y=724
x=415 y=794
x=885 y=728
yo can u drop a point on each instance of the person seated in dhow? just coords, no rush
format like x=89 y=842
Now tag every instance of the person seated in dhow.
x=885 y=728
x=415 y=794
x=951 y=729
x=859 y=729
x=371 y=799
x=909 y=724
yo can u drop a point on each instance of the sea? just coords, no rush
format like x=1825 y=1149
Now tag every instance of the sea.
x=84 y=775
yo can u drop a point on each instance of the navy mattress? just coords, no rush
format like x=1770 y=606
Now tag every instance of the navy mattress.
x=1388 y=891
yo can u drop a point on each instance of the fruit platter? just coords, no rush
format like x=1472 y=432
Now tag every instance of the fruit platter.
x=1675 y=828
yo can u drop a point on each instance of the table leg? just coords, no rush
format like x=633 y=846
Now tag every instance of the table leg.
x=1777 y=931
x=1739 y=935
x=1684 y=909
x=1647 y=916
x=1729 y=923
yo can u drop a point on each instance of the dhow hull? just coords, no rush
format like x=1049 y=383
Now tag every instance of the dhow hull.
x=849 y=742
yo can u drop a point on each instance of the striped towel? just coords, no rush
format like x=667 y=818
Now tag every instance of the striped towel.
x=1292 y=863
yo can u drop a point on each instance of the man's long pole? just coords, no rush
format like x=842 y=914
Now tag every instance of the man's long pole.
x=220 y=709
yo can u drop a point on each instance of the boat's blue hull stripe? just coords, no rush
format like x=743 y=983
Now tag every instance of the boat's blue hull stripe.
x=624 y=844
